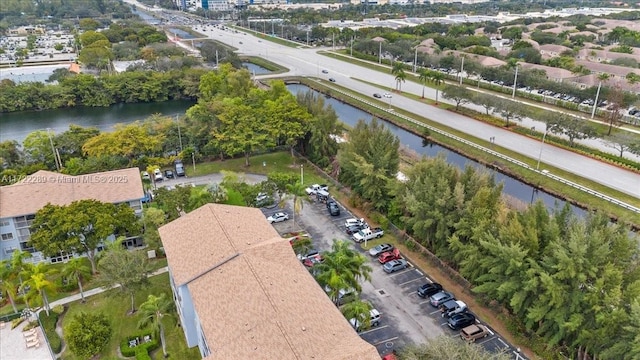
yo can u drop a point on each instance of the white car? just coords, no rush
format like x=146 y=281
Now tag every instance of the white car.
x=387 y=95
x=352 y=222
x=145 y=176
x=157 y=175
x=277 y=217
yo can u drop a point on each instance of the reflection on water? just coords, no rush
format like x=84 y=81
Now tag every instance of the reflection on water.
x=256 y=69
x=513 y=187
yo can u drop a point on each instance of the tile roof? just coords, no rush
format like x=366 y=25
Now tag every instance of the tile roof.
x=480 y=59
x=620 y=71
x=552 y=72
x=37 y=190
x=253 y=297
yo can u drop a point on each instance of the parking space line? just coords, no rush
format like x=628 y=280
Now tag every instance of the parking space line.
x=484 y=341
x=410 y=281
x=424 y=302
x=373 y=329
x=503 y=343
x=385 y=341
x=435 y=312
x=419 y=272
x=401 y=272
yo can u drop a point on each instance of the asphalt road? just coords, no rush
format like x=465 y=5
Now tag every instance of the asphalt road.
x=306 y=62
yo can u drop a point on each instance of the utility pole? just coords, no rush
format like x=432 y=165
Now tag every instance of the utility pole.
x=216 y=58
x=352 y=46
x=415 y=60
x=333 y=41
x=307 y=37
x=595 y=103
x=380 y=53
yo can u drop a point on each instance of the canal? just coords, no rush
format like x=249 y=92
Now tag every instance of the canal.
x=16 y=126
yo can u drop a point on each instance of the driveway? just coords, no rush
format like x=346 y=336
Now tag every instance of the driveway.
x=405 y=317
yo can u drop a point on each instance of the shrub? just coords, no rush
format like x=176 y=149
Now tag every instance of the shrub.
x=59 y=309
x=142 y=348
x=16 y=322
x=87 y=334
x=49 y=327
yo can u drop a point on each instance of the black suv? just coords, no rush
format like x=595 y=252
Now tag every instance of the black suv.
x=333 y=207
x=429 y=289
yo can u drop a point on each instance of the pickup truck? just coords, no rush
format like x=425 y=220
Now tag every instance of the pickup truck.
x=311 y=190
x=452 y=307
x=367 y=234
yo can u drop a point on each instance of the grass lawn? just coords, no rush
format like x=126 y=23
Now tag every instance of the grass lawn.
x=116 y=305
x=73 y=287
x=273 y=162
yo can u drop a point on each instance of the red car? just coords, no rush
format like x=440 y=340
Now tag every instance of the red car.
x=312 y=260
x=389 y=255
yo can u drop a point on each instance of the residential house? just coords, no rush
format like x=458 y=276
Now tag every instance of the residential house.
x=553 y=73
x=592 y=80
x=241 y=293
x=19 y=203
x=551 y=50
x=486 y=61
x=619 y=72
x=604 y=55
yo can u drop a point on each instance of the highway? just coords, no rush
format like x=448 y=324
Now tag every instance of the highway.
x=306 y=62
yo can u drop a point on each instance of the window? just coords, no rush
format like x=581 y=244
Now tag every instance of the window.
x=7 y=236
x=4 y=223
x=9 y=250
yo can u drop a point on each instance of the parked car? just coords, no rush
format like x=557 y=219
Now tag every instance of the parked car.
x=179 y=168
x=354 y=229
x=462 y=320
x=311 y=253
x=157 y=175
x=440 y=298
x=429 y=289
x=374 y=320
x=395 y=265
x=352 y=221
x=377 y=96
x=388 y=256
x=310 y=261
x=277 y=217
x=474 y=332
x=379 y=249
x=344 y=295
x=145 y=175
x=333 y=207
x=168 y=174
x=452 y=307
x=313 y=189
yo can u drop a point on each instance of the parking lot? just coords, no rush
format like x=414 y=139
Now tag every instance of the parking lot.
x=405 y=317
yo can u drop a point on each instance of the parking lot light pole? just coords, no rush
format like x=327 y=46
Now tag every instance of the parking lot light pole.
x=595 y=103
x=301 y=173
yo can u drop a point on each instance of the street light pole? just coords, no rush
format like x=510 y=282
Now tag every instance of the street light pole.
x=179 y=133
x=352 y=46
x=301 y=174
x=380 y=53
x=415 y=60
x=461 y=70
x=595 y=103
x=515 y=83
x=541 y=145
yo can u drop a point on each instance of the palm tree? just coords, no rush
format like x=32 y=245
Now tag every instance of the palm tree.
x=424 y=77
x=342 y=269
x=152 y=312
x=76 y=269
x=437 y=78
x=297 y=193
x=360 y=311
x=398 y=71
x=39 y=283
x=18 y=266
x=8 y=283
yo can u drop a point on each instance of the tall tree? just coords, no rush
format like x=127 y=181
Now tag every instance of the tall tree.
x=437 y=79
x=359 y=310
x=423 y=76
x=38 y=281
x=343 y=268
x=127 y=269
x=295 y=192
x=80 y=227
x=152 y=312
x=324 y=128
x=77 y=270
x=571 y=127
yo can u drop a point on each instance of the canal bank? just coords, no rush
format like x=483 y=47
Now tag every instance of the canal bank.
x=495 y=160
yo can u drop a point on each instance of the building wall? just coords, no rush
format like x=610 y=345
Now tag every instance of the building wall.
x=184 y=305
x=15 y=233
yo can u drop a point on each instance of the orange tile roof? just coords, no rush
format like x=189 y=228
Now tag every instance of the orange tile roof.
x=253 y=297
x=37 y=190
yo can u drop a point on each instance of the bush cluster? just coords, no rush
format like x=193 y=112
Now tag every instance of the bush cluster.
x=141 y=352
x=49 y=327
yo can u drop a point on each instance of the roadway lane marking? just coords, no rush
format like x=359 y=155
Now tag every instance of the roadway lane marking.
x=373 y=329
x=385 y=341
x=410 y=281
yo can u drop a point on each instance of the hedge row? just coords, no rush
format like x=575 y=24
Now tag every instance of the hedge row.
x=141 y=352
x=49 y=327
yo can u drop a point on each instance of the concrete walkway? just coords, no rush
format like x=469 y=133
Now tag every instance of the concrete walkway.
x=12 y=342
